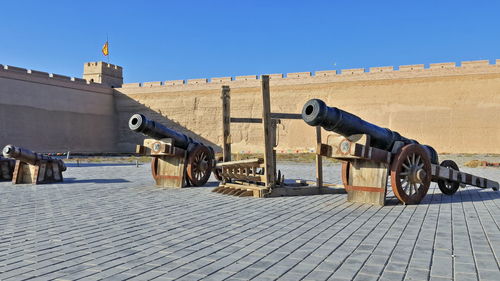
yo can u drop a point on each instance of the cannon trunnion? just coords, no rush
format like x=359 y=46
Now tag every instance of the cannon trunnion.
x=371 y=154
x=178 y=160
x=32 y=167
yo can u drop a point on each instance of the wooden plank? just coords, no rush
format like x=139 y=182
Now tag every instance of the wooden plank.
x=368 y=176
x=226 y=123
x=255 y=161
x=270 y=168
x=169 y=171
x=446 y=173
x=353 y=147
x=286 y=116
x=272 y=116
x=319 y=160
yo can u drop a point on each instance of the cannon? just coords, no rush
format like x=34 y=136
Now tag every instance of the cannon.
x=6 y=168
x=371 y=154
x=32 y=167
x=177 y=160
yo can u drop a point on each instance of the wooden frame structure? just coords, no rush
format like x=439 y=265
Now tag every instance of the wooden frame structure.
x=43 y=171
x=168 y=163
x=259 y=177
x=6 y=168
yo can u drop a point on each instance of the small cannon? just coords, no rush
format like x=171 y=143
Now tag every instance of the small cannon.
x=32 y=167
x=371 y=153
x=6 y=168
x=178 y=160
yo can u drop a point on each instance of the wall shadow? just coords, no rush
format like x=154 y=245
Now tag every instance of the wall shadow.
x=127 y=140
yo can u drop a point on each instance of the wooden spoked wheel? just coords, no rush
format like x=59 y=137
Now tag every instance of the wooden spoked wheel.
x=199 y=165
x=345 y=173
x=154 y=167
x=448 y=187
x=218 y=171
x=411 y=174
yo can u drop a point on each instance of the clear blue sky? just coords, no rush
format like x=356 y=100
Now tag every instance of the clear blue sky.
x=167 y=40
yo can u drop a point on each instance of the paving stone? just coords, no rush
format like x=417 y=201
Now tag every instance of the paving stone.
x=128 y=228
x=392 y=275
x=489 y=275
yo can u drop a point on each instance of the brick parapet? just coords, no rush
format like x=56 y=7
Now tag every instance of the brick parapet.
x=326 y=76
x=35 y=76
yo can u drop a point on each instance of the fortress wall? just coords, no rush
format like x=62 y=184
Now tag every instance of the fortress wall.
x=55 y=113
x=454 y=108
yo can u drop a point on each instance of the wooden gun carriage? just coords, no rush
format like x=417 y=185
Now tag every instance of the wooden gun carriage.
x=372 y=154
x=6 y=168
x=32 y=167
x=259 y=177
x=177 y=160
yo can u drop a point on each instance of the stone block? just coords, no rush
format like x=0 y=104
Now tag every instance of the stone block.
x=197 y=81
x=381 y=69
x=151 y=84
x=475 y=63
x=298 y=74
x=411 y=67
x=220 y=79
x=352 y=71
x=442 y=65
x=246 y=78
x=325 y=73
x=173 y=82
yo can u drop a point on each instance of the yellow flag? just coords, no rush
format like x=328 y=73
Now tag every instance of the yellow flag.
x=105 y=50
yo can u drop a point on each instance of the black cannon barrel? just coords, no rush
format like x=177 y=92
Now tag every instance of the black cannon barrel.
x=316 y=113
x=139 y=123
x=28 y=156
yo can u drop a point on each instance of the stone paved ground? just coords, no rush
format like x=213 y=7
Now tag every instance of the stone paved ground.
x=109 y=222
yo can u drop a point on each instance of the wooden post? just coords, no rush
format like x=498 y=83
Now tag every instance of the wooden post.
x=270 y=168
x=226 y=116
x=319 y=162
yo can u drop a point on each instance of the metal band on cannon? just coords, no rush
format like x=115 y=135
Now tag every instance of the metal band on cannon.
x=32 y=167
x=175 y=155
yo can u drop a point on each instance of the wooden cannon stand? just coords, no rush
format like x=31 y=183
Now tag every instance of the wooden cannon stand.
x=366 y=169
x=259 y=177
x=6 y=168
x=175 y=167
x=43 y=171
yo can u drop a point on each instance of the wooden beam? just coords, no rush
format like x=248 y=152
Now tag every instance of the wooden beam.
x=286 y=116
x=270 y=168
x=245 y=120
x=226 y=125
x=319 y=161
x=272 y=116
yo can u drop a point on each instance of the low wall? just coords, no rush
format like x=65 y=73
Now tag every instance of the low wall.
x=55 y=113
x=453 y=108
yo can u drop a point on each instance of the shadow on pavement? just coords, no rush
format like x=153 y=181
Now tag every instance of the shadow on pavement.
x=74 y=180
x=73 y=165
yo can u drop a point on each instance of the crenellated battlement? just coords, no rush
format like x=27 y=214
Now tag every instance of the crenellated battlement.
x=29 y=73
x=103 y=73
x=371 y=73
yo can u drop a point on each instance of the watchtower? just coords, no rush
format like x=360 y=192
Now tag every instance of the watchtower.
x=103 y=73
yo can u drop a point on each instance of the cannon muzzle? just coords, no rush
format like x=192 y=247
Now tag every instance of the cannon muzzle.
x=316 y=113
x=139 y=123
x=28 y=156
